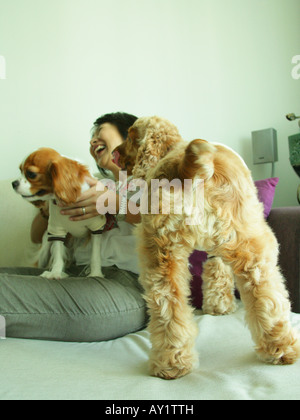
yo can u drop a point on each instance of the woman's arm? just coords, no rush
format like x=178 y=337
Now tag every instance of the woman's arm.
x=88 y=201
x=40 y=224
x=38 y=228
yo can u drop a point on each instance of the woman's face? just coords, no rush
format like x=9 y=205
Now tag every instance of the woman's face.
x=105 y=139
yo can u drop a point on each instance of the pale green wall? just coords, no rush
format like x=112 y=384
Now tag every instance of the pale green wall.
x=217 y=68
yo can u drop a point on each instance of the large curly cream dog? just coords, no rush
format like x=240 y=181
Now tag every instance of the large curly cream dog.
x=232 y=230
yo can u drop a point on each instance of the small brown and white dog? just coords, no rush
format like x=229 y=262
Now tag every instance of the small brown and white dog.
x=48 y=176
x=231 y=229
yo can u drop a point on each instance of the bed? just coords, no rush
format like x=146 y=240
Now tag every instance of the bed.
x=117 y=370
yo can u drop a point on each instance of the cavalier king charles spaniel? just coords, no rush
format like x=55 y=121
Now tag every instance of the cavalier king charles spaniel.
x=48 y=176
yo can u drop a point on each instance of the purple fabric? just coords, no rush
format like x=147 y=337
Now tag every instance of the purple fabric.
x=266 y=191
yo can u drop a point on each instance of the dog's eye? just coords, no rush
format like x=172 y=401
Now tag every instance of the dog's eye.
x=31 y=175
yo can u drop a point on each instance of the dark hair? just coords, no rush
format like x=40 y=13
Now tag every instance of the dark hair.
x=120 y=120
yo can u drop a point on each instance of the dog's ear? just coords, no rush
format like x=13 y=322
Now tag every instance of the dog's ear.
x=156 y=137
x=67 y=178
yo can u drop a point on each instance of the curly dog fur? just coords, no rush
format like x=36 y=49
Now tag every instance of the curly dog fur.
x=232 y=229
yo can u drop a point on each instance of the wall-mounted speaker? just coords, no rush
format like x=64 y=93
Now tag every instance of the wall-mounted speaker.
x=265 y=147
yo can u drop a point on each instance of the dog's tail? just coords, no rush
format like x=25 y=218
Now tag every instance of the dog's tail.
x=198 y=161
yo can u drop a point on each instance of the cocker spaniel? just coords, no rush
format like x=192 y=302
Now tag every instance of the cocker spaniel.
x=231 y=229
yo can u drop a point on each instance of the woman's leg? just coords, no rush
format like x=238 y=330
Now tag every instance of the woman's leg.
x=73 y=309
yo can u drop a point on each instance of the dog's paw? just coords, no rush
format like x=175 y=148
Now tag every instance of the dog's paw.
x=220 y=306
x=96 y=274
x=172 y=372
x=52 y=275
x=285 y=353
x=175 y=367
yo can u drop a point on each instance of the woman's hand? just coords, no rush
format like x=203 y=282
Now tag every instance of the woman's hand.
x=86 y=206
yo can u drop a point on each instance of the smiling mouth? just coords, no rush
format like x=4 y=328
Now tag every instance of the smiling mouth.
x=28 y=196
x=98 y=151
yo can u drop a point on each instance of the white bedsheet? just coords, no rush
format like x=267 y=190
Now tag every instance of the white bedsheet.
x=228 y=368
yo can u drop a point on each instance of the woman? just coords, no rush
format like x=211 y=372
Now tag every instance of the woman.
x=81 y=308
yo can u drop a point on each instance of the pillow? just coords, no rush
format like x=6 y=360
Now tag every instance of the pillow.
x=266 y=191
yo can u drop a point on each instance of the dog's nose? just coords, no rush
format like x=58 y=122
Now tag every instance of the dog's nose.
x=15 y=184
